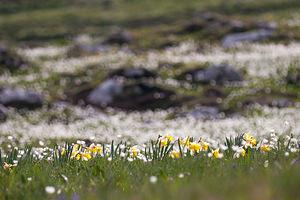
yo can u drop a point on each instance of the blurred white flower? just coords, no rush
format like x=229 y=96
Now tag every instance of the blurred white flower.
x=50 y=189
x=153 y=179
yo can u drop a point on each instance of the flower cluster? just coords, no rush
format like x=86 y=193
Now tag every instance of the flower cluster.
x=165 y=147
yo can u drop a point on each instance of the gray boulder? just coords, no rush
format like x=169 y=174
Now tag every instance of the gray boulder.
x=133 y=73
x=233 y=39
x=120 y=37
x=105 y=93
x=136 y=96
x=220 y=74
x=10 y=60
x=20 y=98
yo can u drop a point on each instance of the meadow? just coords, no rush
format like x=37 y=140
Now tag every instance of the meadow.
x=202 y=140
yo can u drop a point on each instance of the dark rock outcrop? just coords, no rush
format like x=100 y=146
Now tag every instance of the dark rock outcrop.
x=220 y=74
x=11 y=60
x=233 y=39
x=20 y=98
x=132 y=73
x=280 y=103
x=84 y=50
x=105 y=93
x=137 y=96
x=120 y=37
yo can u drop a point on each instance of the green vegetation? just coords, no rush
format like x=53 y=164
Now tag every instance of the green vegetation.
x=152 y=22
x=242 y=169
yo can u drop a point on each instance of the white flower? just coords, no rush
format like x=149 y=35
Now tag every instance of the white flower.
x=223 y=147
x=181 y=175
x=64 y=177
x=293 y=150
x=153 y=179
x=294 y=140
x=109 y=159
x=266 y=164
x=50 y=189
x=286 y=154
x=29 y=179
x=122 y=154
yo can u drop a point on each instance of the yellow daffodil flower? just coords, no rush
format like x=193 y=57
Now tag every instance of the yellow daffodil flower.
x=203 y=145
x=185 y=142
x=169 y=138
x=243 y=153
x=134 y=150
x=86 y=156
x=164 y=142
x=195 y=147
x=174 y=154
x=215 y=154
x=265 y=148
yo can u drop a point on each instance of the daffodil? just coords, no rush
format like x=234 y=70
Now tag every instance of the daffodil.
x=265 y=148
x=185 y=142
x=134 y=151
x=86 y=156
x=174 y=154
x=169 y=138
x=249 y=141
x=94 y=148
x=8 y=167
x=243 y=153
x=203 y=145
x=239 y=151
x=163 y=142
x=215 y=154
x=195 y=147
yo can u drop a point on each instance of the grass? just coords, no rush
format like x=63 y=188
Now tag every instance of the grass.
x=58 y=21
x=155 y=172
x=152 y=174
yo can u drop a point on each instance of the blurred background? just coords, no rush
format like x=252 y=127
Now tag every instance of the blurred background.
x=164 y=63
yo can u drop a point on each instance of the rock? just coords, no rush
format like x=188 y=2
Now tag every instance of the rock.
x=293 y=77
x=193 y=26
x=267 y=25
x=20 y=99
x=206 y=16
x=137 y=96
x=132 y=73
x=10 y=60
x=141 y=96
x=213 y=92
x=237 y=26
x=233 y=39
x=105 y=93
x=84 y=50
x=280 y=103
x=3 y=113
x=206 y=112
x=121 y=37
x=220 y=75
